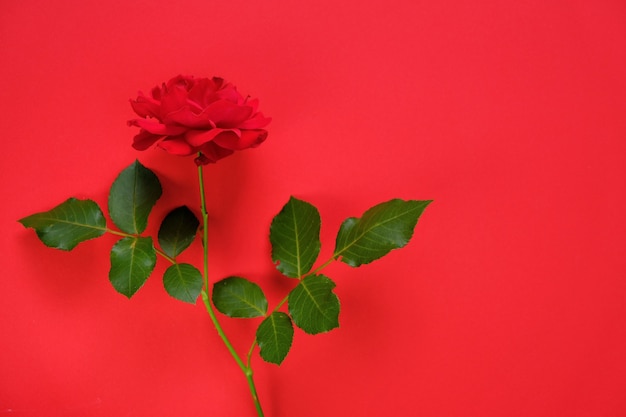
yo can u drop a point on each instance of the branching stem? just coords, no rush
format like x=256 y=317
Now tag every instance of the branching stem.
x=318 y=269
x=160 y=252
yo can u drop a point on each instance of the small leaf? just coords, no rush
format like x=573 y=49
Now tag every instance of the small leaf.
x=382 y=228
x=132 y=262
x=183 y=282
x=274 y=336
x=313 y=305
x=177 y=231
x=238 y=297
x=294 y=235
x=133 y=194
x=68 y=224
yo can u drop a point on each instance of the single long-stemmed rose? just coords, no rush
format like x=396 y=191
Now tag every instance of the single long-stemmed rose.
x=209 y=119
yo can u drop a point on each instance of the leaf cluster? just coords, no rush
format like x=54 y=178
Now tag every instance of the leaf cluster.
x=132 y=197
x=312 y=304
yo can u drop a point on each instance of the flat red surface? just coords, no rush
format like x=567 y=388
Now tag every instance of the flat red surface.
x=510 y=300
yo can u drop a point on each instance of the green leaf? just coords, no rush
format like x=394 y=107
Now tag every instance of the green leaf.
x=132 y=262
x=177 y=231
x=238 y=297
x=382 y=228
x=68 y=224
x=313 y=305
x=183 y=282
x=294 y=235
x=133 y=194
x=274 y=336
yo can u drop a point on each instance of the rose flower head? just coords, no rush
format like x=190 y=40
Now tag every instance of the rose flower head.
x=188 y=115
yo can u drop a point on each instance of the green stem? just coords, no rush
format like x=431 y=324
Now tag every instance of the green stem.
x=206 y=298
x=220 y=331
x=205 y=229
x=253 y=392
x=250 y=353
x=324 y=265
x=283 y=301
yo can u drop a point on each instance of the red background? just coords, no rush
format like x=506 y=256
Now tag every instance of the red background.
x=510 y=300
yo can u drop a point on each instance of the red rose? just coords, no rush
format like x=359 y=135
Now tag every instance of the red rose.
x=190 y=115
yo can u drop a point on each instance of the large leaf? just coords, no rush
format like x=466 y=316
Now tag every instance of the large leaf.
x=132 y=262
x=133 y=194
x=177 y=231
x=382 y=228
x=294 y=235
x=274 y=336
x=238 y=297
x=68 y=224
x=313 y=305
x=183 y=282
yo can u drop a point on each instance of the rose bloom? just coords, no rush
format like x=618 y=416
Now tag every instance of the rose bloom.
x=187 y=116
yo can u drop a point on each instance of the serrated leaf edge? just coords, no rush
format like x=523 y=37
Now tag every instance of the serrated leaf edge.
x=130 y=275
x=254 y=307
x=337 y=254
x=332 y=319
x=186 y=288
x=43 y=231
x=262 y=345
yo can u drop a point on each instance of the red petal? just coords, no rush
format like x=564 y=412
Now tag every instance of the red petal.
x=229 y=92
x=201 y=90
x=226 y=114
x=201 y=137
x=185 y=82
x=252 y=102
x=177 y=146
x=146 y=106
x=213 y=152
x=247 y=139
x=157 y=92
x=257 y=121
x=143 y=140
x=157 y=128
x=173 y=98
x=186 y=117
